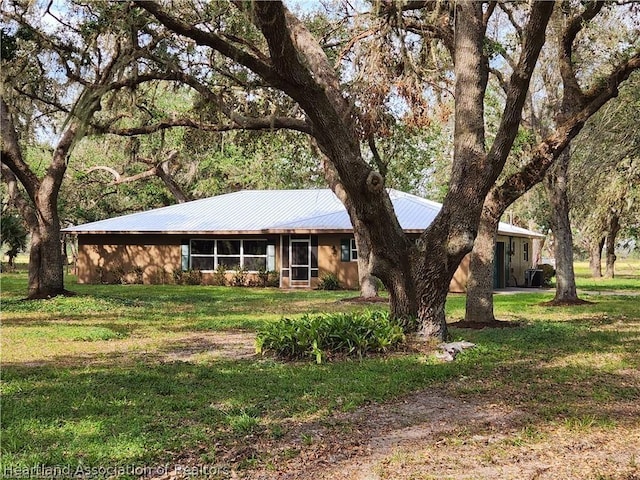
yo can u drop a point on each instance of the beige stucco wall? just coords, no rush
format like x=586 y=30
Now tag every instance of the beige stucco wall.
x=458 y=283
x=329 y=261
x=517 y=262
x=101 y=256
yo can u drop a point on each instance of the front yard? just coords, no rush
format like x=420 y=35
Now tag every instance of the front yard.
x=132 y=381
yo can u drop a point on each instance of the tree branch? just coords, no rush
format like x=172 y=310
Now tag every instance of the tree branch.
x=16 y=198
x=381 y=164
x=212 y=40
x=12 y=154
x=292 y=49
x=549 y=149
x=487 y=14
x=534 y=38
x=441 y=31
x=238 y=122
x=112 y=171
x=573 y=93
x=160 y=170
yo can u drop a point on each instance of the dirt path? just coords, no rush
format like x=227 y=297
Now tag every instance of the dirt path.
x=434 y=434
x=232 y=345
x=353 y=446
x=431 y=434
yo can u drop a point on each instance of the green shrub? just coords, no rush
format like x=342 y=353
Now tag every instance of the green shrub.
x=239 y=277
x=267 y=278
x=548 y=272
x=219 y=278
x=138 y=275
x=324 y=336
x=188 y=277
x=329 y=281
x=119 y=274
x=273 y=279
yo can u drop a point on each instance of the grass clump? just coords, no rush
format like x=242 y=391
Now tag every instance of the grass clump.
x=327 y=335
x=329 y=281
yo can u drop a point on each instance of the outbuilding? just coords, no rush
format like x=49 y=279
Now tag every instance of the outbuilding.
x=301 y=235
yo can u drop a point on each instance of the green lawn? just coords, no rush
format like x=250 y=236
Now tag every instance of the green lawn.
x=627 y=277
x=87 y=380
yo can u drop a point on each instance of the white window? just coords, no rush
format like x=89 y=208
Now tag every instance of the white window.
x=252 y=255
x=354 y=250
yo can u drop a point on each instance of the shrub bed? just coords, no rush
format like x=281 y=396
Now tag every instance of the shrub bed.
x=324 y=336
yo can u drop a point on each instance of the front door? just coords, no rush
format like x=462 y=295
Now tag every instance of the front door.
x=300 y=262
x=498 y=266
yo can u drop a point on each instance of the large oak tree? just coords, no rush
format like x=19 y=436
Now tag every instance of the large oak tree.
x=584 y=90
x=289 y=59
x=58 y=69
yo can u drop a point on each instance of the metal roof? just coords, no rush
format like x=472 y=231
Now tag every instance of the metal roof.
x=269 y=211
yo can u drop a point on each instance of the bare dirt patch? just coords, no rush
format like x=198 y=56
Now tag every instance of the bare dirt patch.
x=231 y=345
x=429 y=435
x=353 y=445
x=365 y=300
x=566 y=303
x=168 y=347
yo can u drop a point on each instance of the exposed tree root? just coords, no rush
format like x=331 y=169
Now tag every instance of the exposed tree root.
x=565 y=303
x=480 y=325
x=365 y=300
x=50 y=295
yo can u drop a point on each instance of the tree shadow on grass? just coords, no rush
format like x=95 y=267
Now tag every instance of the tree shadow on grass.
x=145 y=411
x=571 y=368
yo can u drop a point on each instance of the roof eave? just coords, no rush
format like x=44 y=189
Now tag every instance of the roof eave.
x=269 y=231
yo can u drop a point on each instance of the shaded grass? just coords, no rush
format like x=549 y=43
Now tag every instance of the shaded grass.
x=152 y=413
x=143 y=313
x=573 y=367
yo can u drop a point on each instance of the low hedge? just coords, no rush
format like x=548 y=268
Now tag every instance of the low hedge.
x=325 y=336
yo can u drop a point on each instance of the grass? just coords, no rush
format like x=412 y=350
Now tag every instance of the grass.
x=86 y=379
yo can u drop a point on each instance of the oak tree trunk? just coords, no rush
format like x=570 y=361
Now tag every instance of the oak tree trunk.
x=595 y=257
x=612 y=234
x=46 y=266
x=536 y=249
x=556 y=186
x=46 y=269
x=368 y=283
x=479 y=305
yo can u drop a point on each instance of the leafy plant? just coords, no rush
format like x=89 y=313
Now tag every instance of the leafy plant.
x=323 y=336
x=100 y=272
x=239 y=278
x=243 y=422
x=548 y=272
x=188 y=277
x=119 y=275
x=13 y=235
x=219 y=278
x=138 y=273
x=268 y=278
x=329 y=281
